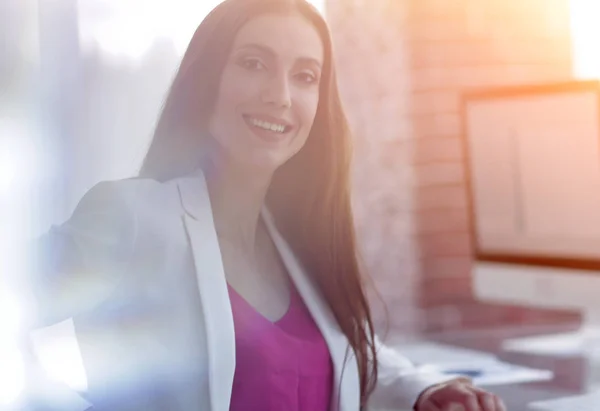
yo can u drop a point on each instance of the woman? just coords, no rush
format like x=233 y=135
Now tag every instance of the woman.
x=225 y=277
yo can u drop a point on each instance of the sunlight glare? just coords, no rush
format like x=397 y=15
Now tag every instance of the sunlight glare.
x=12 y=373
x=585 y=32
x=58 y=352
x=133 y=25
x=12 y=369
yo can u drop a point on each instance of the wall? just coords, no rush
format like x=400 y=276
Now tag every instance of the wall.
x=374 y=77
x=403 y=66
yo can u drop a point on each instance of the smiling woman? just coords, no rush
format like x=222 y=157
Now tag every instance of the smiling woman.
x=225 y=276
x=270 y=88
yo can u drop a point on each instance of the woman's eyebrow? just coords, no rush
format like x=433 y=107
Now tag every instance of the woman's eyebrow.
x=267 y=50
x=259 y=47
x=310 y=61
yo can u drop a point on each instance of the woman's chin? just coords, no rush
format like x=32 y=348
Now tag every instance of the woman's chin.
x=264 y=162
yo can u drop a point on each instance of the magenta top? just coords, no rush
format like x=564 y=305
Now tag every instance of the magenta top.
x=282 y=365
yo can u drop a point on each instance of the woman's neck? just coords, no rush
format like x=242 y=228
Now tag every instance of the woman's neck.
x=237 y=196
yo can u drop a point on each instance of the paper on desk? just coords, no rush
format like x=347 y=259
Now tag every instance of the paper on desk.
x=434 y=353
x=489 y=373
x=489 y=370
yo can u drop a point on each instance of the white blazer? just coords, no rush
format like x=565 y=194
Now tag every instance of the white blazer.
x=138 y=268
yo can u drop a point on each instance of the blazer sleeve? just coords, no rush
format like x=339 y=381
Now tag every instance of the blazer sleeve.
x=75 y=266
x=399 y=382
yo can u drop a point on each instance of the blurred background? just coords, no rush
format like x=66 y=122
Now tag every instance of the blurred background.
x=436 y=92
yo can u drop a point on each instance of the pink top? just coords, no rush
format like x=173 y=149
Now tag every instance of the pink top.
x=280 y=366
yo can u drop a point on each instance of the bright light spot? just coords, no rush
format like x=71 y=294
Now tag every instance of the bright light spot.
x=8 y=170
x=17 y=173
x=12 y=373
x=585 y=32
x=17 y=157
x=10 y=317
x=319 y=5
x=131 y=26
x=58 y=353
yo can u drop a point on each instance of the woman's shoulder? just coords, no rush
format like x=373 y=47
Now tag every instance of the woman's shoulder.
x=133 y=192
x=113 y=206
x=142 y=198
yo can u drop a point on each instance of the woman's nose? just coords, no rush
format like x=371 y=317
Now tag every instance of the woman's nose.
x=277 y=92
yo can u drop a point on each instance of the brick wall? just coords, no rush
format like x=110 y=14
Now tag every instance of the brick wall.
x=457 y=45
x=403 y=66
x=374 y=77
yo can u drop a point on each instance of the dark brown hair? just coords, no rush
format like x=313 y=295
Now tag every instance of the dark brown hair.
x=309 y=195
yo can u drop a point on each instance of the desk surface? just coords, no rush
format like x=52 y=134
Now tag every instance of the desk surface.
x=516 y=394
x=484 y=368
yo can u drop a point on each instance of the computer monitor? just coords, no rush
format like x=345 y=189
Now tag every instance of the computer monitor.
x=533 y=160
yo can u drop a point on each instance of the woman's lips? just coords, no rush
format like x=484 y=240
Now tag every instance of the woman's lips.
x=268 y=128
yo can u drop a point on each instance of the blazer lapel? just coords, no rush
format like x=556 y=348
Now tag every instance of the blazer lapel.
x=216 y=306
x=212 y=286
x=347 y=384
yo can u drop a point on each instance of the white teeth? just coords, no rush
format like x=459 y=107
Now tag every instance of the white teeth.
x=268 y=126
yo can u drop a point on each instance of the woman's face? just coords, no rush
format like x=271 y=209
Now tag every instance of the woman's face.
x=269 y=91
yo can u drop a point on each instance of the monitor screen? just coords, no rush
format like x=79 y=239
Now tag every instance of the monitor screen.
x=533 y=156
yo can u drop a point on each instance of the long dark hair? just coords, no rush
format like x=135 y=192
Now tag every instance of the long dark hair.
x=309 y=195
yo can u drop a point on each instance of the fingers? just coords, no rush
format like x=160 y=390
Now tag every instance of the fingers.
x=454 y=407
x=500 y=406
x=489 y=401
x=461 y=397
x=465 y=398
x=429 y=406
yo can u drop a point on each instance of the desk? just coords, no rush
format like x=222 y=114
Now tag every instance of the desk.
x=485 y=369
x=517 y=388
x=574 y=357
x=573 y=375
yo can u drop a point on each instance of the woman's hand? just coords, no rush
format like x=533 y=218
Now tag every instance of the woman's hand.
x=458 y=395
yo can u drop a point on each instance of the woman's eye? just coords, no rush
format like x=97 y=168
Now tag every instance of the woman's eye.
x=252 y=64
x=307 y=78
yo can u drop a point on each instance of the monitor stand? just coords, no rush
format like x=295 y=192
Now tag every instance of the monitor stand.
x=589 y=333
x=583 y=342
